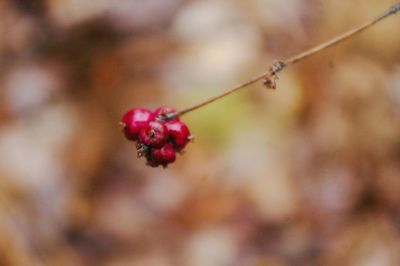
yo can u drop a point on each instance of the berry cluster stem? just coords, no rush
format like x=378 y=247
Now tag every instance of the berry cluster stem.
x=269 y=77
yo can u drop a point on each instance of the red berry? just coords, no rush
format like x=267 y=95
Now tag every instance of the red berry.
x=162 y=113
x=159 y=135
x=153 y=134
x=134 y=120
x=164 y=156
x=179 y=134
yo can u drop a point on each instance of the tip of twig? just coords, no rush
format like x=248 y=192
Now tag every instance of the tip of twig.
x=394 y=9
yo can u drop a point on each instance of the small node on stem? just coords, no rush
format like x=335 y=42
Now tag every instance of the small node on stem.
x=277 y=66
x=271 y=78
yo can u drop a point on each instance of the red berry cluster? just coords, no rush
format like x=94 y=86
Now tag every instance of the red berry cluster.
x=159 y=135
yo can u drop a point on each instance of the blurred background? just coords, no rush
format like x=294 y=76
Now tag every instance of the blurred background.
x=308 y=174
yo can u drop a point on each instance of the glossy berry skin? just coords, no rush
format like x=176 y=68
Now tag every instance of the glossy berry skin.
x=162 y=156
x=154 y=134
x=134 y=120
x=159 y=135
x=163 y=112
x=179 y=134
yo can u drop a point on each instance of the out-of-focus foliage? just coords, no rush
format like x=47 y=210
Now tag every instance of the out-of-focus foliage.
x=308 y=174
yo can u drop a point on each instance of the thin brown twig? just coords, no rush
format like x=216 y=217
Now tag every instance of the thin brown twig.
x=269 y=77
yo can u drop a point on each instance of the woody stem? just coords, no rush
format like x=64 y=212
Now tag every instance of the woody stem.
x=269 y=76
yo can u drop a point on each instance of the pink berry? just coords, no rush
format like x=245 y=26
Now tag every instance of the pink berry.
x=164 y=155
x=162 y=113
x=179 y=134
x=134 y=120
x=153 y=134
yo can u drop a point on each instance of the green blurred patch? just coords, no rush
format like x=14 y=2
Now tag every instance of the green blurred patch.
x=212 y=125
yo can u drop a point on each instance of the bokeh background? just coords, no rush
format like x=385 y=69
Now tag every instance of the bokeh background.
x=308 y=174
